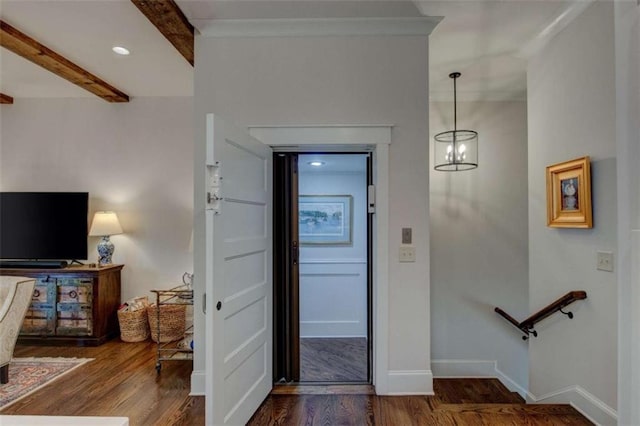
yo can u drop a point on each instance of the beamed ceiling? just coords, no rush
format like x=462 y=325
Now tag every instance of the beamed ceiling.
x=62 y=48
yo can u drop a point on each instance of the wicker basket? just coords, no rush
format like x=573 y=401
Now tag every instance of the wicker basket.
x=134 y=326
x=172 y=322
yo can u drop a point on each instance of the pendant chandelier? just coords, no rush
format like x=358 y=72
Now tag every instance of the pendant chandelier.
x=456 y=150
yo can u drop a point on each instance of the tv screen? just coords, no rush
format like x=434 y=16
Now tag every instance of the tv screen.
x=43 y=225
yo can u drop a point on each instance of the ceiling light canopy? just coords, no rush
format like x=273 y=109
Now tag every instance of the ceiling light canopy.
x=455 y=150
x=120 y=50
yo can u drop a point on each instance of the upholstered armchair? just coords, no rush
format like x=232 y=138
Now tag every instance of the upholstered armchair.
x=15 y=296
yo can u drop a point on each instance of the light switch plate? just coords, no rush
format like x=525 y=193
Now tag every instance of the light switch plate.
x=406 y=235
x=407 y=254
x=605 y=261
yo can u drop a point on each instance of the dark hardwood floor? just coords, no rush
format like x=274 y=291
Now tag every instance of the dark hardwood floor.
x=482 y=402
x=333 y=359
x=122 y=381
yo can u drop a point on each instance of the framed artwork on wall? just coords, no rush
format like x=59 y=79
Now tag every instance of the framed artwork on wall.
x=569 y=194
x=325 y=219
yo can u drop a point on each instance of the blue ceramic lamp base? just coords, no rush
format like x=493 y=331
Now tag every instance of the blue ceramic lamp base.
x=105 y=251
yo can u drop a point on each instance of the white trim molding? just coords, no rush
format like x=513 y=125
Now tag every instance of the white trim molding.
x=448 y=368
x=329 y=274
x=338 y=329
x=350 y=138
x=409 y=382
x=334 y=262
x=314 y=27
x=381 y=271
x=198 y=378
x=587 y=404
x=22 y=420
x=294 y=136
x=510 y=384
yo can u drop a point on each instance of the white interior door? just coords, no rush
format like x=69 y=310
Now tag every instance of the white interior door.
x=238 y=274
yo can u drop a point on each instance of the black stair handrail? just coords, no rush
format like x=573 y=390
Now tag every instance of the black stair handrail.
x=527 y=326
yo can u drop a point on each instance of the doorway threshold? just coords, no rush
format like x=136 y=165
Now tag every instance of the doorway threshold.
x=322 y=389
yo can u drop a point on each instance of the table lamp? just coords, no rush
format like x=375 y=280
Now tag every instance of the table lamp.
x=104 y=225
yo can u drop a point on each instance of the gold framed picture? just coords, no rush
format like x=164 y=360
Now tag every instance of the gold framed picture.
x=569 y=194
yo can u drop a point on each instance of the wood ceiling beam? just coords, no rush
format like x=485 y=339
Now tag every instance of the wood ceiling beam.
x=5 y=99
x=30 y=49
x=171 y=22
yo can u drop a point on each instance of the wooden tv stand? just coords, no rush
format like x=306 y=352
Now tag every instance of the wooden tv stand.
x=76 y=305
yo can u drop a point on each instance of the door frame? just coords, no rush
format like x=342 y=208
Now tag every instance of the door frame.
x=375 y=139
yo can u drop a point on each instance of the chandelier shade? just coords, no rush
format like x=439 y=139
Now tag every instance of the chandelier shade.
x=455 y=150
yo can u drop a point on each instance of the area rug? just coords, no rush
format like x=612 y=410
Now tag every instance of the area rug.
x=27 y=375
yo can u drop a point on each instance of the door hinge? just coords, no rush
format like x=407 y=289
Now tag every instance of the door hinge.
x=371 y=199
x=294 y=253
x=204 y=303
x=214 y=186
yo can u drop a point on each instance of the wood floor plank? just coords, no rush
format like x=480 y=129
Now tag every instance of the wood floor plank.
x=458 y=402
x=459 y=391
x=122 y=381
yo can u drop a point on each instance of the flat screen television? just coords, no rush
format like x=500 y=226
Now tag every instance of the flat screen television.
x=43 y=225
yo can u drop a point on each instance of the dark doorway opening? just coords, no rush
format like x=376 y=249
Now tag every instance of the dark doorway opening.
x=322 y=268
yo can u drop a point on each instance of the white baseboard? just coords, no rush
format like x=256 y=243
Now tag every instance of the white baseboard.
x=20 y=420
x=355 y=336
x=512 y=385
x=332 y=328
x=448 y=368
x=587 y=404
x=409 y=382
x=198 y=378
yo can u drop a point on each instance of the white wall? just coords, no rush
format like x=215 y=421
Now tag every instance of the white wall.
x=340 y=80
x=627 y=51
x=333 y=279
x=571 y=112
x=134 y=158
x=479 y=241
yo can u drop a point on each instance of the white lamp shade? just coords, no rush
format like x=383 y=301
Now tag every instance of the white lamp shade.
x=105 y=223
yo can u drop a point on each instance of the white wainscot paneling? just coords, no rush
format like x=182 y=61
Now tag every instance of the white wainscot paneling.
x=333 y=298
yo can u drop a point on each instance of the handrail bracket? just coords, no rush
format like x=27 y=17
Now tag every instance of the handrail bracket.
x=527 y=326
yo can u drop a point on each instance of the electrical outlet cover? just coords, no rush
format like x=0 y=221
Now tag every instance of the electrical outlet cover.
x=407 y=254
x=605 y=261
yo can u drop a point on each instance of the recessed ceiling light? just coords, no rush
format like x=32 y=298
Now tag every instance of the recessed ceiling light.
x=316 y=163
x=120 y=50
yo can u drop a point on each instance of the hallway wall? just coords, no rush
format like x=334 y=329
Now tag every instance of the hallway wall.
x=571 y=105
x=479 y=246
x=316 y=81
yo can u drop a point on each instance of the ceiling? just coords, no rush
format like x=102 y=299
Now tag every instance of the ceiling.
x=333 y=163
x=488 y=41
